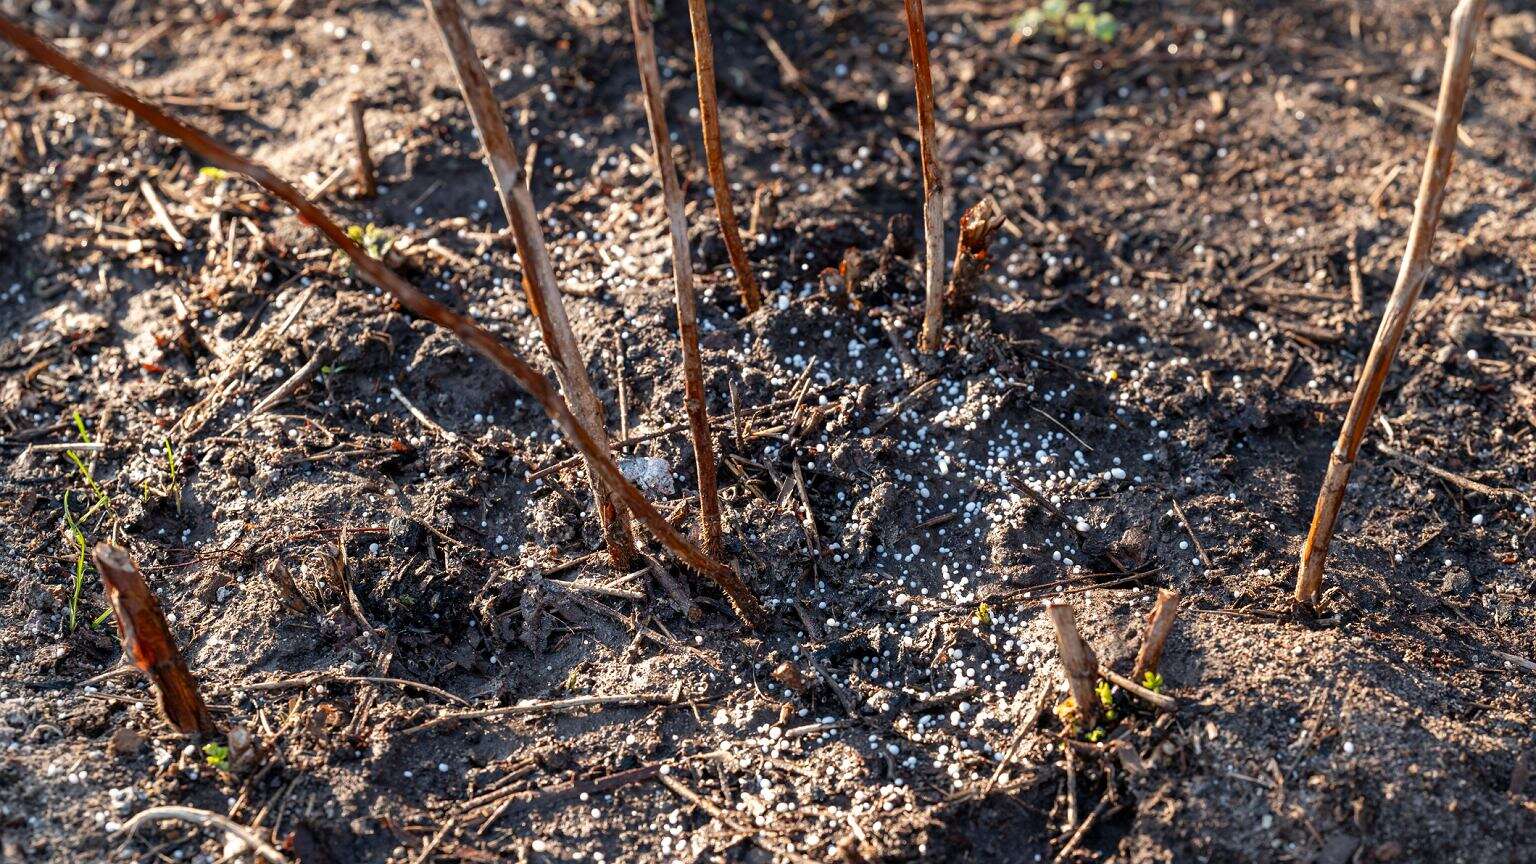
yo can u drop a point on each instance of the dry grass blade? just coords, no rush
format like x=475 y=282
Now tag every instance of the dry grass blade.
x=709 y=120
x=933 y=182
x=538 y=273
x=682 y=273
x=374 y=271
x=1454 y=81
x=148 y=643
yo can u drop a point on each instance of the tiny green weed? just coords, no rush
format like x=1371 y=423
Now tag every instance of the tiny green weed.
x=375 y=241
x=78 y=536
x=1059 y=19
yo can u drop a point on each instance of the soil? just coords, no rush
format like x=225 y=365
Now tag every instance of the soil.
x=1163 y=347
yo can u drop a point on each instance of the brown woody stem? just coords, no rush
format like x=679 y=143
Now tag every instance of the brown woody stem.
x=538 y=273
x=714 y=155
x=682 y=273
x=1454 y=81
x=1077 y=661
x=933 y=182
x=1159 y=625
x=978 y=225
x=148 y=643
x=366 y=182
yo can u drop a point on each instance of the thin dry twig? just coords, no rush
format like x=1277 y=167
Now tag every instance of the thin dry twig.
x=682 y=274
x=374 y=271
x=538 y=275
x=934 y=192
x=615 y=699
x=311 y=680
x=1454 y=81
x=1189 y=529
x=1082 y=830
x=206 y=819
x=1451 y=477
x=714 y=154
x=162 y=216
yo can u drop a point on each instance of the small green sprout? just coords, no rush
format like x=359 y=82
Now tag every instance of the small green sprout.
x=79 y=537
x=172 y=487
x=375 y=241
x=1152 y=681
x=212 y=173
x=1107 y=699
x=1067 y=713
x=102 y=500
x=174 y=490
x=170 y=458
x=1096 y=735
x=984 y=615
x=1062 y=21
x=216 y=755
x=85 y=471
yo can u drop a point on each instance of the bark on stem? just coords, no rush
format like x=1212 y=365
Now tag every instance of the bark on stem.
x=682 y=274
x=714 y=155
x=1454 y=82
x=978 y=225
x=148 y=643
x=473 y=335
x=1159 y=625
x=367 y=185
x=933 y=182
x=538 y=273
x=1077 y=661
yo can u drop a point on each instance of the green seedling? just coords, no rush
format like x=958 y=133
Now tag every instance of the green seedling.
x=79 y=537
x=1152 y=681
x=1106 y=699
x=212 y=173
x=984 y=615
x=375 y=241
x=174 y=489
x=1095 y=736
x=1059 y=19
x=102 y=501
x=216 y=755
x=170 y=458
